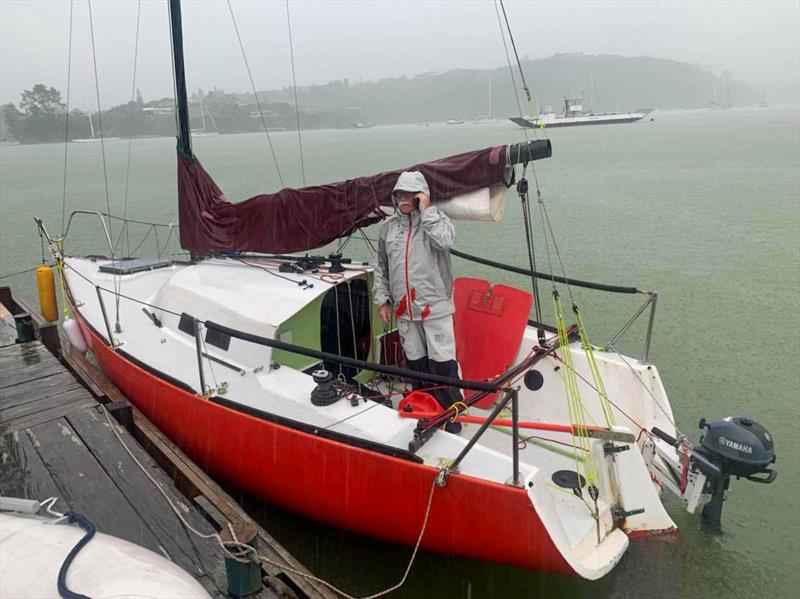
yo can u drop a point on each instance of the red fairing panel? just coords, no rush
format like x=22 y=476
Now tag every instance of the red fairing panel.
x=357 y=489
x=296 y=220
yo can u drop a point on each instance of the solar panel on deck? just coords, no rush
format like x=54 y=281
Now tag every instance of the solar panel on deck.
x=133 y=265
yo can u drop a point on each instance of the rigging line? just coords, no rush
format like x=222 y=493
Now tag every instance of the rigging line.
x=526 y=213
x=130 y=126
x=641 y=428
x=66 y=123
x=352 y=318
x=375 y=404
x=21 y=272
x=295 y=281
x=510 y=68
x=519 y=64
x=546 y=220
x=255 y=93
x=117 y=281
x=294 y=87
x=646 y=388
x=367 y=241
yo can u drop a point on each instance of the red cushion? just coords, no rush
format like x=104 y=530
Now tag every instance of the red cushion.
x=489 y=324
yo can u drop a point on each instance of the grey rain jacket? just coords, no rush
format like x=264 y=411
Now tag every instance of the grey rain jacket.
x=414 y=259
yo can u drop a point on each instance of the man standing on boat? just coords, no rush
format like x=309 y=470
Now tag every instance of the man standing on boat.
x=413 y=279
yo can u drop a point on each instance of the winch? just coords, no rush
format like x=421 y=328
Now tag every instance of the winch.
x=733 y=446
x=325 y=393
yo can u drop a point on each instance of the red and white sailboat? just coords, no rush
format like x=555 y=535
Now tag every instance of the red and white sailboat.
x=230 y=355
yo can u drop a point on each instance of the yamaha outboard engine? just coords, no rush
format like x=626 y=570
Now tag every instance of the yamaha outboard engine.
x=733 y=446
x=739 y=447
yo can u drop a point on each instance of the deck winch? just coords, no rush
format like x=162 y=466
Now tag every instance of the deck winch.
x=325 y=393
x=733 y=446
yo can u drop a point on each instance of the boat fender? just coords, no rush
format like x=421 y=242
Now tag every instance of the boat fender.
x=46 y=284
x=73 y=331
x=324 y=394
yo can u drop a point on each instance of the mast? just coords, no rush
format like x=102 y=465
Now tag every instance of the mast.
x=181 y=103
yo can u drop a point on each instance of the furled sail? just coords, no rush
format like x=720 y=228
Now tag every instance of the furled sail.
x=296 y=220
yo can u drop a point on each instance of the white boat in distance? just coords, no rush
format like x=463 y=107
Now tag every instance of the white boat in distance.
x=93 y=138
x=574 y=115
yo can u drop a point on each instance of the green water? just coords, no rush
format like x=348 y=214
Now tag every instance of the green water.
x=703 y=207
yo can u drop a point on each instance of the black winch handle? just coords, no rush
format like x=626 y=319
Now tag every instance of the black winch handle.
x=664 y=436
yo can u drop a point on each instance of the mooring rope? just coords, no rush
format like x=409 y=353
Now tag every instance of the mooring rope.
x=245 y=549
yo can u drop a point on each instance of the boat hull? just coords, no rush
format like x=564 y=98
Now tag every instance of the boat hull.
x=576 y=121
x=351 y=487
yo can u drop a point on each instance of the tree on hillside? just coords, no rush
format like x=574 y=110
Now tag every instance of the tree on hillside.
x=13 y=120
x=42 y=100
x=43 y=113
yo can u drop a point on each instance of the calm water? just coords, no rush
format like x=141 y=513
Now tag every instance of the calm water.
x=703 y=207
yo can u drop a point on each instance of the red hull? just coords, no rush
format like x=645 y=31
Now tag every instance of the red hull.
x=327 y=480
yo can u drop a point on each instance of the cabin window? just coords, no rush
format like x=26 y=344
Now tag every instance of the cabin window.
x=218 y=339
x=345 y=324
x=186 y=324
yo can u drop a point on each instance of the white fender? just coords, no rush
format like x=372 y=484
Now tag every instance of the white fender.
x=73 y=331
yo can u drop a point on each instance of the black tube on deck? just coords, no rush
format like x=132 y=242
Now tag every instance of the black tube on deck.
x=542 y=275
x=528 y=151
x=363 y=364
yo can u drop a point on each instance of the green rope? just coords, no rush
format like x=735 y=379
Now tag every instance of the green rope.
x=598 y=380
x=577 y=411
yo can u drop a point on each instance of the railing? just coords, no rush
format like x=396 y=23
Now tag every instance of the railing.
x=652 y=296
x=151 y=228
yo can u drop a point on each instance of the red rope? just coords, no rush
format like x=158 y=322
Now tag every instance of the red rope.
x=578 y=374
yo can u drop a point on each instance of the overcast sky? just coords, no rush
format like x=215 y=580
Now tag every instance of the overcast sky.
x=758 y=41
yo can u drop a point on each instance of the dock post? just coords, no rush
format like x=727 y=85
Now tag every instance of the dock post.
x=244 y=577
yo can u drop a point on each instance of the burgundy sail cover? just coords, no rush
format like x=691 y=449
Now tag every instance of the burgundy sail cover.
x=297 y=220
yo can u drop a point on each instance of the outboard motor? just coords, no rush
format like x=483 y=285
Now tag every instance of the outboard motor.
x=739 y=447
x=733 y=446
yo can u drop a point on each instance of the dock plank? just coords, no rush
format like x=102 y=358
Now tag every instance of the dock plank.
x=200 y=557
x=22 y=472
x=39 y=402
x=84 y=485
x=38 y=389
x=25 y=362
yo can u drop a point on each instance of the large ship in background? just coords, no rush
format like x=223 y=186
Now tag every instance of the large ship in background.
x=574 y=115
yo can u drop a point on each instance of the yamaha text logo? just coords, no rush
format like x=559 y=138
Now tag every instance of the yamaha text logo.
x=734 y=445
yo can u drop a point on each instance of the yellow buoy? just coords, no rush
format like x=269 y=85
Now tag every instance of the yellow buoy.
x=46 y=283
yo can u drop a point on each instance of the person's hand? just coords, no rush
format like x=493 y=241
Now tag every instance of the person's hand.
x=424 y=201
x=385 y=312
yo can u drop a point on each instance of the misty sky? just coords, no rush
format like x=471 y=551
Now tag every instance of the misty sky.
x=758 y=41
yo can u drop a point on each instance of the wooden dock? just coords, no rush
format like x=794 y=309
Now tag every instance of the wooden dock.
x=55 y=441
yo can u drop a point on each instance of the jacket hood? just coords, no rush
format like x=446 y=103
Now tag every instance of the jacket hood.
x=413 y=181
